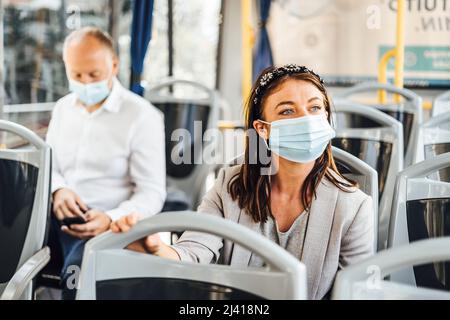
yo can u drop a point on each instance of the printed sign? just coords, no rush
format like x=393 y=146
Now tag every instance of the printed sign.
x=345 y=40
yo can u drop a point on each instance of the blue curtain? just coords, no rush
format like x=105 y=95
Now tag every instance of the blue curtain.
x=262 y=55
x=141 y=33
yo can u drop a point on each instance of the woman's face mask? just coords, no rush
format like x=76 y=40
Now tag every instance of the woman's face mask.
x=302 y=139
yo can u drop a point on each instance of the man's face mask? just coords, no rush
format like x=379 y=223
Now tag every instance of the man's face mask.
x=91 y=93
x=301 y=139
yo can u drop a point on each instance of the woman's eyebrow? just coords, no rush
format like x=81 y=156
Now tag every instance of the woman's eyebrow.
x=314 y=98
x=289 y=102
x=284 y=103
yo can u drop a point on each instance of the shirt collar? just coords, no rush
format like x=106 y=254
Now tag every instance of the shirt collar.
x=112 y=103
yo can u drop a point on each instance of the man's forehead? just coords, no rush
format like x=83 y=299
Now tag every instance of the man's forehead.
x=88 y=53
x=79 y=59
x=87 y=63
x=86 y=46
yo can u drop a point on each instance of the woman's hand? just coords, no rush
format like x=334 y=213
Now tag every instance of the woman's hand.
x=151 y=244
x=125 y=223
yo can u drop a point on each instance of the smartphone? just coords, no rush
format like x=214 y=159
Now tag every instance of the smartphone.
x=74 y=220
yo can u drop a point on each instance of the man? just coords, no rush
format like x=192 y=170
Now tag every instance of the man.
x=108 y=149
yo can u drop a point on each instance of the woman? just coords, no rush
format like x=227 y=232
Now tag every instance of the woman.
x=298 y=199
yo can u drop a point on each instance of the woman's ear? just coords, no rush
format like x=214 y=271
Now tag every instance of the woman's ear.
x=261 y=129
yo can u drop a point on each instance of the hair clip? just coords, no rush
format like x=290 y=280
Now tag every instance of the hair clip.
x=266 y=79
x=291 y=68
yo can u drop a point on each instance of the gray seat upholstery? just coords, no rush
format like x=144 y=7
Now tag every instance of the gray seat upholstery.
x=24 y=210
x=110 y=272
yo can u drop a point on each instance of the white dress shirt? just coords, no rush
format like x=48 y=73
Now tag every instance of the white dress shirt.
x=113 y=158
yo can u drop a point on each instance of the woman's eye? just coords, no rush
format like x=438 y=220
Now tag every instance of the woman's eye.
x=287 y=112
x=316 y=108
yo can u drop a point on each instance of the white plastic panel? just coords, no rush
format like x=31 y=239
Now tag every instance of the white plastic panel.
x=385 y=290
x=377 y=134
x=441 y=104
x=110 y=266
x=104 y=258
x=423 y=188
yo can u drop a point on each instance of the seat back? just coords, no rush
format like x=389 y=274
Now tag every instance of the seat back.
x=376 y=139
x=441 y=104
x=364 y=280
x=434 y=136
x=110 y=272
x=186 y=122
x=421 y=210
x=367 y=178
x=24 y=201
x=408 y=112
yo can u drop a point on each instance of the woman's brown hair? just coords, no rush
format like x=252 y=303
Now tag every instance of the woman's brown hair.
x=249 y=187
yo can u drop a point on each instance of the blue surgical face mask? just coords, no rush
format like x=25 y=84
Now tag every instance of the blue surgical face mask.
x=301 y=139
x=90 y=93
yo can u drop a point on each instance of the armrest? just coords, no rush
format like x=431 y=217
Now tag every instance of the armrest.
x=25 y=274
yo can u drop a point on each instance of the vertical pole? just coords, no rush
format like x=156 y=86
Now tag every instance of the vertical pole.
x=400 y=48
x=2 y=85
x=170 y=36
x=114 y=16
x=246 y=48
x=220 y=45
x=170 y=39
x=2 y=62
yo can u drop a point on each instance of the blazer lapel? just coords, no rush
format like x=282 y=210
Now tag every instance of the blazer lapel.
x=318 y=233
x=241 y=256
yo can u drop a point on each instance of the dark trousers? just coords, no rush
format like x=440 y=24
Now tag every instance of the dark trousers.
x=72 y=253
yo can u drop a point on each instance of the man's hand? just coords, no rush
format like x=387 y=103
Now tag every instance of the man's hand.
x=67 y=204
x=97 y=223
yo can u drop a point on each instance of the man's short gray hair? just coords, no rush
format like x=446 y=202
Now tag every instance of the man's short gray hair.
x=103 y=37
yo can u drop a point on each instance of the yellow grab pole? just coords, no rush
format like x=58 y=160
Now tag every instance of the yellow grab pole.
x=398 y=53
x=382 y=73
x=427 y=105
x=247 y=60
x=400 y=48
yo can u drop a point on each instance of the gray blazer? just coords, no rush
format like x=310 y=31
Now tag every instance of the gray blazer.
x=340 y=232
